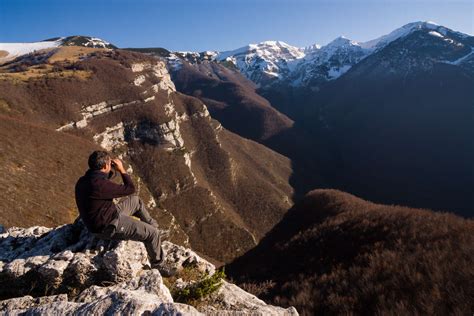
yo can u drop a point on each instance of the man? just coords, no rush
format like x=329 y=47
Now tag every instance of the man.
x=107 y=220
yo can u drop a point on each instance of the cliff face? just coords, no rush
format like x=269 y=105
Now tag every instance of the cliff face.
x=66 y=271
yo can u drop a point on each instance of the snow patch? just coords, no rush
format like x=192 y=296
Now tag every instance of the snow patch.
x=19 y=49
x=434 y=33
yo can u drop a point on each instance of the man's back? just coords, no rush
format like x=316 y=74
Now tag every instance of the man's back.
x=94 y=194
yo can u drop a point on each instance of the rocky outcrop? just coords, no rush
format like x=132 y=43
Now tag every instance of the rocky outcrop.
x=155 y=71
x=68 y=271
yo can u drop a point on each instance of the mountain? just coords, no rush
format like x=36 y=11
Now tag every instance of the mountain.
x=231 y=99
x=9 y=51
x=65 y=270
x=86 y=41
x=287 y=75
x=334 y=253
x=387 y=119
x=312 y=66
x=326 y=63
x=198 y=179
x=401 y=131
x=265 y=62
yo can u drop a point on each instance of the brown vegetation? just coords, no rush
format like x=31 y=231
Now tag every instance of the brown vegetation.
x=55 y=98
x=231 y=99
x=39 y=167
x=334 y=253
x=72 y=53
x=241 y=185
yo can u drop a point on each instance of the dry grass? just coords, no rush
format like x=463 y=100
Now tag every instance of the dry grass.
x=72 y=53
x=336 y=254
x=4 y=107
x=47 y=73
x=39 y=167
x=47 y=64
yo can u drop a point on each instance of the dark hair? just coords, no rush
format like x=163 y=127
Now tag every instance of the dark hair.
x=98 y=159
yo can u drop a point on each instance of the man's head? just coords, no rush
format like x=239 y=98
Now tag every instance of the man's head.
x=100 y=160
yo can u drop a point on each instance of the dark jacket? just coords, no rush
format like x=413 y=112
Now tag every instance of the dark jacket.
x=94 y=194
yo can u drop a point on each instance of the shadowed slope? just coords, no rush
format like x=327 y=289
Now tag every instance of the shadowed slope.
x=334 y=253
x=231 y=100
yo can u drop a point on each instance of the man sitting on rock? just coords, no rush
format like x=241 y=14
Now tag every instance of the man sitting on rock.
x=108 y=220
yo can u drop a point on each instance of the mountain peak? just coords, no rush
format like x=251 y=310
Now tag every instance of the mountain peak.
x=86 y=41
x=342 y=41
x=273 y=43
x=401 y=32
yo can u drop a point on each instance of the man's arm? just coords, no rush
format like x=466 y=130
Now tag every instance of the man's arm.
x=109 y=190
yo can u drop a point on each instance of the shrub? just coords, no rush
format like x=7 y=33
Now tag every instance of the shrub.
x=200 y=289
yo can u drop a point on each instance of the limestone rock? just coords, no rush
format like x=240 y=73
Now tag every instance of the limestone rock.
x=176 y=309
x=26 y=302
x=232 y=300
x=125 y=261
x=90 y=276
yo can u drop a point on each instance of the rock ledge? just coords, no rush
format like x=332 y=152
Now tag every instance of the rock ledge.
x=67 y=271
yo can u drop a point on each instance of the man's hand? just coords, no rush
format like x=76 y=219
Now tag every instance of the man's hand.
x=118 y=165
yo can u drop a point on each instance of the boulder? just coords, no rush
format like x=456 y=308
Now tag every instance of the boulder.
x=87 y=275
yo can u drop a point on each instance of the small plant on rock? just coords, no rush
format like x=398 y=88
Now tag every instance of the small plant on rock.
x=200 y=289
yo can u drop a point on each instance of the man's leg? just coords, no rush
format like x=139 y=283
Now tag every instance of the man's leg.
x=132 y=205
x=131 y=229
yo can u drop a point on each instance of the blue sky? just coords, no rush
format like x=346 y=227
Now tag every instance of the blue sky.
x=225 y=24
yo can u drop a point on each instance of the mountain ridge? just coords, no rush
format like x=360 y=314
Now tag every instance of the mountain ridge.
x=334 y=253
x=268 y=62
x=273 y=61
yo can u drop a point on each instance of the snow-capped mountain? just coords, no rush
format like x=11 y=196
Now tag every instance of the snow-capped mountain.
x=416 y=48
x=272 y=62
x=406 y=30
x=324 y=63
x=10 y=51
x=264 y=62
x=86 y=41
